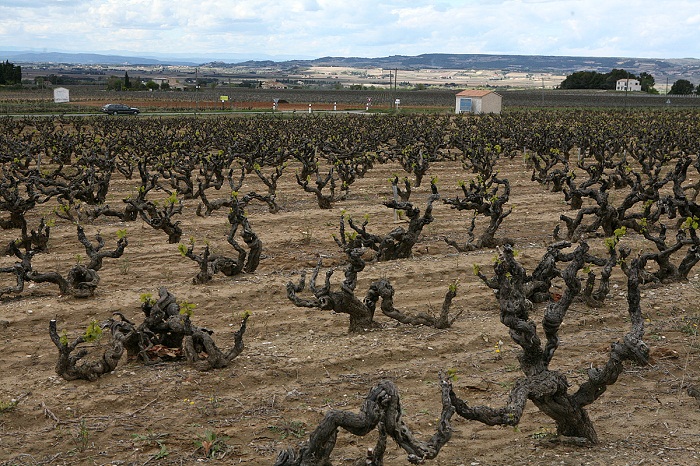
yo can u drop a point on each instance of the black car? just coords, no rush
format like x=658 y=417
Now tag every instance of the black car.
x=113 y=109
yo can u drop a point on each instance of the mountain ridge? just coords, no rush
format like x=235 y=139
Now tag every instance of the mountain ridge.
x=667 y=67
x=688 y=68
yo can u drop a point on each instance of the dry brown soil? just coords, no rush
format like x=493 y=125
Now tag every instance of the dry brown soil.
x=300 y=363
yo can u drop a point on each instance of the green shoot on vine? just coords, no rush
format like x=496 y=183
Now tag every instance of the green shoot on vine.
x=147 y=298
x=453 y=286
x=187 y=308
x=613 y=240
x=63 y=208
x=172 y=199
x=93 y=332
x=643 y=223
x=690 y=223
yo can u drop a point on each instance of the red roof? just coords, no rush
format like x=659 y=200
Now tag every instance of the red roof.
x=475 y=93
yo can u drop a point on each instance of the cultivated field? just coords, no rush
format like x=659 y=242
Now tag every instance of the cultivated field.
x=300 y=363
x=207 y=100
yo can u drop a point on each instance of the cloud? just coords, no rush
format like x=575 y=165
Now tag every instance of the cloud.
x=305 y=6
x=315 y=28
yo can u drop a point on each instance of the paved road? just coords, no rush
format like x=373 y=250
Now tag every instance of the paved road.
x=192 y=114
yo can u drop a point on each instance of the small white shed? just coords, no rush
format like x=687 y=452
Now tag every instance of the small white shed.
x=60 y=95
x=478 y=101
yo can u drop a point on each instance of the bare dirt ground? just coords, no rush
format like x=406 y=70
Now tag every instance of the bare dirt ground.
x=300 y=363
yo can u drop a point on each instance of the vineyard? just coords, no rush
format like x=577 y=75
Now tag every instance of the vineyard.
x=89 y=98
x=351 y=289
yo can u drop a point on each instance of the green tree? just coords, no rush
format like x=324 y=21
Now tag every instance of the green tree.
x=583 y=80
x=152 y=85
x=647 y=82
x=165 y=86
x=138 y=84
x=10 y=73
x=614 y=76
x=127 y=82
x=114 y=84
x=595 y=80
x=250 y=83
x=682 y=87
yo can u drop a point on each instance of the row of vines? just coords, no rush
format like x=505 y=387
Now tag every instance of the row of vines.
x=630 y=178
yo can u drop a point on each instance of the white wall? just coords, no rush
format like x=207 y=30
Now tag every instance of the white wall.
x=490 y=103
x=61 y=94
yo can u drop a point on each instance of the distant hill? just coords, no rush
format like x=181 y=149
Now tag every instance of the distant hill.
x=114 y=59
x=671 y=69
x=84 y=59
x=486 y=62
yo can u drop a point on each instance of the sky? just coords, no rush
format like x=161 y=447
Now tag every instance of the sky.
x=306 y=29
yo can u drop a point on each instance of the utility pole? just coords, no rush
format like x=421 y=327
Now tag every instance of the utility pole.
x=396 y=85
x=391 y=92
x=196 y=88
x=543 y=91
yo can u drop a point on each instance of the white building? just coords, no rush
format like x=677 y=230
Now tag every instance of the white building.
x=478 y=101
x=61 y=94
x=628 y=85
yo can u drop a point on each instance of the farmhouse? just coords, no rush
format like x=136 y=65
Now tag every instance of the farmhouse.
x=173 y=83
x=628 y=85
x=272 y=84
x=478 y=101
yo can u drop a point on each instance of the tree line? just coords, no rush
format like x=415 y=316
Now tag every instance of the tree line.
x=606 y=81
x=683 y=87
x=10 y=73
